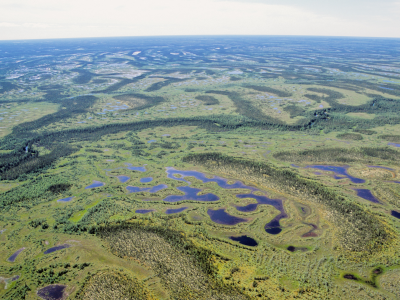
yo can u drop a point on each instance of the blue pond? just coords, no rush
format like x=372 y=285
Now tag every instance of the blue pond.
x=338 y=171
x=56 y=248
x=272 y=227
x=396 y=214
x=132 y=168
x=190 y=194
x=175 y=210
x=146 y=179
x=222 y=182
x=14 y=256
x=154 y=189
x=367 y=195
x=277 y=203
x=95 y=184
x=394 y=144
x=244 y=240
x=123 y=178
x=220 y=216
x=143 y=211
x=151 y=141
x=65 y=199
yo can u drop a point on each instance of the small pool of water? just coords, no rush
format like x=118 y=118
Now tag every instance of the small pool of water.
x=244 y=240
x=394 y=144
x=220 y=216
x=338 y=171
x=151 y=141
x=52 y=292
x=191 y=194
x=132 y=168
x=222 y=182
x=65 y=199
x=14 y=256
x=146 y=179
x=367 y=195
x=293 y=249
x=154 y=189
x=396 y=214
x=95 y=184
x=123 y=178
x=143 y=211
x=56 y=248
x=175 y=210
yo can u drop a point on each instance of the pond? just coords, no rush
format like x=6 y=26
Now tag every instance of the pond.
x=293 y=249
x=222 y=182
x=16 y=253
x=244 y=240
x=151 y=141
x=175 y=210
x=272 y=227
x=342 y=171
x=52 y=292
x=65 y=199
x=190 y=194
x=395 y=214
x=394 y=144
x=146 y=179
x=132 y=168
x=56 y=248
x=154 y=189
x=123 y=178
x=367 y=195
x=220 y=216
x=143 y=211
x=95 y=184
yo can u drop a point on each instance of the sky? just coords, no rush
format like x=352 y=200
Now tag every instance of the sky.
x=42 y=19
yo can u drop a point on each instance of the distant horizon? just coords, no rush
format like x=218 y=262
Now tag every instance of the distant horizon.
x=201 y=35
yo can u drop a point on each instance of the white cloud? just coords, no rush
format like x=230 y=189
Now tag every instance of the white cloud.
x=80 y=18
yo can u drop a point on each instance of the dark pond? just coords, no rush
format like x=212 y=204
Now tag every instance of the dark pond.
x=221 y=217
x=146 y=179
x=95 y=184
x=367 y=195
x=293 y=249
x=56 y=248
x=123 y=178
x=349 y=276
x=132 y=168
x=52 y=292
x=394 y=144
x=311 y=233
x=396 y=214
x=143 y=211
x=244 y=240
x=191 y=194
x=154 y=189
x=338 y=171
x=65 y=199
x=175 y=210
x=222 y=182
x=16 y=253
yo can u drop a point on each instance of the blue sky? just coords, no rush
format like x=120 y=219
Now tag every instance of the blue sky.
x=27 y=19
